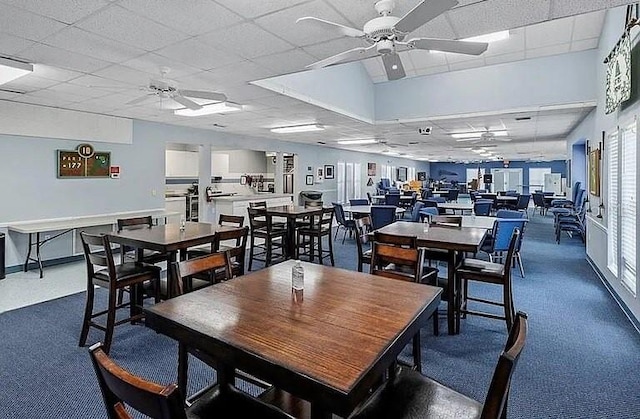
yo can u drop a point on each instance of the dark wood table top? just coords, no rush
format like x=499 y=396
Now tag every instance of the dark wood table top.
x=169 y=237
x=465 y=239
x=460 y=206
x=292 y=210
x=328 y=349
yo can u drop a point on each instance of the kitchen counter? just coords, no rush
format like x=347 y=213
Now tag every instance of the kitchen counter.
x=254 y=197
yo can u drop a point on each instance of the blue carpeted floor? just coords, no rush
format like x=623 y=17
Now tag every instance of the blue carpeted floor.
x=581 y=359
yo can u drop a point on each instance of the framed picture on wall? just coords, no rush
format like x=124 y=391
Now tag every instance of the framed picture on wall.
x=328 y=171
x=371 y=169
x=319 y=174
x=594 y=172
x=309 y=180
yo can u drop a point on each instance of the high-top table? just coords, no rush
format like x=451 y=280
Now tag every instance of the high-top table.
x=169 y=239
x=291 y=213
x=329 y=345
x=366 y=209
x=456 y=240
x=456 y=206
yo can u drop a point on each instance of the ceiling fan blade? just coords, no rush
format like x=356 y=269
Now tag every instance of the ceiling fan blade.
x=186 y=102
x=140 y=99
x=449 y=45
x=393 y=66
x=200 y=94
x=422 y=13
x=504 y=140
x=346 y=56
x=325 y=24
x=467 y=140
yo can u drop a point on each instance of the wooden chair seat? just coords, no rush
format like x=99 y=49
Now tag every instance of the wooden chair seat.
x=126 y=272
x=476 y=267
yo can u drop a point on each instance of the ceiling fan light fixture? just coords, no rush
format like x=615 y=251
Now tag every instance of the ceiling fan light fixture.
x=478 y=134
x=12 y=69
x=358 y=141
x=220 y=107
x=297 y=128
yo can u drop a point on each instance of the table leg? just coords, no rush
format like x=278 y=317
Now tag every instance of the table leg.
x=26 y=262
x=173 y=283
x=39 y=259
x=291 y=237
x=183 y=367
x=318 y=412
x=451 y=292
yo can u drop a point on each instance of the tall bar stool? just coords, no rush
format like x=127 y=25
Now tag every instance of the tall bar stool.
x=103 y=272
x=223 y=220
x=311 y=236
x=273 y=236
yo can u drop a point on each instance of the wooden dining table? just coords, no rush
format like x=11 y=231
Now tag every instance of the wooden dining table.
x=291 y=213
x=328 y=346
x=366 y=209
x=455 y=240
x=169 y=239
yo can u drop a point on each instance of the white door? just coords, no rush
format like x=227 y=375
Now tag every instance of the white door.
x=552 y=183
x=498 y=180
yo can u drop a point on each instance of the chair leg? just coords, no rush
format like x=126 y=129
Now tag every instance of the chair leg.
x=337 y=230
x=331 y=250
x=120 y=295
x=320 y=260
x=111 y=320
x=269 y=252
x=88 y=310
x=253 y=243
x=345 y=234
x=519 y=259
x=509 y=310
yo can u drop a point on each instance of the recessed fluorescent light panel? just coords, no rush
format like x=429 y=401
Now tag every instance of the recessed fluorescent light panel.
x=221 y=107
x=478 y=134
x=490 y=37
x=358 y=142
x=298 y=128
x=11 y=70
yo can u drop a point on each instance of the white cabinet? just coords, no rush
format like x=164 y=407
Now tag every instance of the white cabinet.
x=181 y=163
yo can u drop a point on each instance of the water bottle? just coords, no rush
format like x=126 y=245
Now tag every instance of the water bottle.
x=297 y=276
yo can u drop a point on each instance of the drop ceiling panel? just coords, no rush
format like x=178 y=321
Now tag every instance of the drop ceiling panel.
x=67 y=11
x=549 y=33
x=198 y=54
x=57 y=57
x=194 y=17
x=121 y=25
x=505 y=58
x=286 y=62
x=515 y=43
x=12 y=45
x=124 y=74
x=494 y=15
x=546 y=51
x=28 y=25
x=439 y=27
x=329 y=48
x=432 y=70
x=584 y=44
x=29 y=83
x=464 y=65
x=284 y=24
x=561 y=8
x=252 y=8
x=588 y=25
x=360 y=12
x=92 y=45
x=247 y=40
x=374 y=67
x=151 y=63
x=423 y=59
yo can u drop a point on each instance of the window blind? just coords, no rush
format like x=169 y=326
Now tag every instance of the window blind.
x=357 y=180
x=628 y=207
x=612 y=188
x=342 y=195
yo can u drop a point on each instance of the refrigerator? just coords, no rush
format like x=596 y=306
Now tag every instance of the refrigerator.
x=288 y=183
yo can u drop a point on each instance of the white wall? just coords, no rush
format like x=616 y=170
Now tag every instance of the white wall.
x=592 y=128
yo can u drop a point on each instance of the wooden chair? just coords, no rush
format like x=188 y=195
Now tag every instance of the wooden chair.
x=231 y=242
x=410 y=395
x=402 y=263
x=202 y=271
x=493 y=273
x=274 y=237
x=126 y=252
x=363 y=229
x=120 y=389
x=320 y=226
x=103 y=272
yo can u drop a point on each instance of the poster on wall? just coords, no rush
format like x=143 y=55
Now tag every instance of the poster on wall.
x=84 y=162
x=594 y=172
x=618 y=88
x=329 y=171
x=371 y=169
x=319 y=175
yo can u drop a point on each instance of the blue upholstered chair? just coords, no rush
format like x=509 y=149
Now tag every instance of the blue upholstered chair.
x=498 y=242
x=415 y=212
x=358 y=202
x=392 y=199
x=573 y=223
x=540 y=203
x=510 y=214
x=382 y=215
x=429 y=212
x=347 y=224
x=452 y=195
x=482 y=207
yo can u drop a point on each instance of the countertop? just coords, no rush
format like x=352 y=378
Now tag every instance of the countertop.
x=254 y=197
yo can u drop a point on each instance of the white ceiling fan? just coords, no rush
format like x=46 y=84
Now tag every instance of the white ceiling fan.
x=386 y=36
x=483 y=137
x=165 y=88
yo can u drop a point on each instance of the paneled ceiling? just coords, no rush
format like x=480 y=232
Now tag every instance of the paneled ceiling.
x=95 y=55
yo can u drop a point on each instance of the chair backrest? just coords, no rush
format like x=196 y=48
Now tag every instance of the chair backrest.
x=395 y=240
x=498 y=393
x=482 y=207
x=231 y=220
x=510 y=214
x=369 y=198
x=430 y=203
x=579 y=200
x=415 y=212
x=382 y=215
x=363 y=228
x=97 y=252
x=203 y=266
x=385 y=183
x=136 y=222
x=538 y=199
x=120 y=388
x=447 y=220
x=511 y=192
x=523 y=202
x=576 y=187
x=358 y=201
x=503 y=229
x=452 y=194
x=392 y=199
x=438 y=199
x=258 y=204
x=339 y=211
x=430 y=211
x=257 y=218
x=237 y=253
x=407 y=262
